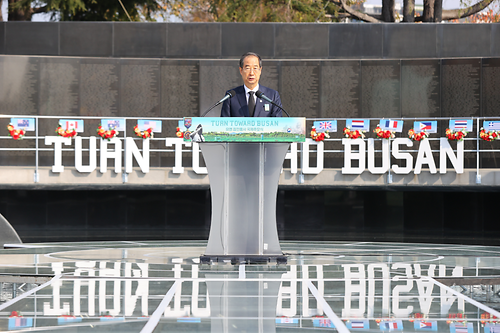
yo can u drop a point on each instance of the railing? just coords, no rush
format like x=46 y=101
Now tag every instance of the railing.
x=45 y=126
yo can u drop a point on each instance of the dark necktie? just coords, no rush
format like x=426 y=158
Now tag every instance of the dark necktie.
x=251 y=103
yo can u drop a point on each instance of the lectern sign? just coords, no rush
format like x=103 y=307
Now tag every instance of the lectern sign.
x=243 y=129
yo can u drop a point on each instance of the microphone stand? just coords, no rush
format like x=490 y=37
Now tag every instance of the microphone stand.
x=260 y=94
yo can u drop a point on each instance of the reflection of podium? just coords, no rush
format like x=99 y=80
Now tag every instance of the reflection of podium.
x=244 y=158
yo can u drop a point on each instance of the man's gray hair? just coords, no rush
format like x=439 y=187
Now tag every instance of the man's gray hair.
x=242 y=59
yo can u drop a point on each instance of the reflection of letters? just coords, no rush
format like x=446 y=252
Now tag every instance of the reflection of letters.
x=306 y=311
x=288 y=293
x=355 y=284
x=57 y=268
x=367 y=290
x=142 y=288
x=177 y=311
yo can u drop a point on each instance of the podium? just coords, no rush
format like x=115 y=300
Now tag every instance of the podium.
x=244 y=158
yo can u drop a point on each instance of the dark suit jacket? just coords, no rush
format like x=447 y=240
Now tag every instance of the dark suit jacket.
x=237 y=105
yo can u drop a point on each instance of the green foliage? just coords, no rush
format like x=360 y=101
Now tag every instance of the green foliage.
x=92 y=10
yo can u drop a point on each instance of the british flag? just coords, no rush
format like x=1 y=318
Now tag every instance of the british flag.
x=325 y=125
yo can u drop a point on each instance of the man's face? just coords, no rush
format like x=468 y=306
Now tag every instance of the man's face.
x=251 y=71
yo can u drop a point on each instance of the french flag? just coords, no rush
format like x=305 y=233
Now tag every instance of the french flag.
x=392 y=325
x=391 y=124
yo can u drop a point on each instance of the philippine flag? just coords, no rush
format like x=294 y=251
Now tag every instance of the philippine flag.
x=426 y=325
x=425 y=125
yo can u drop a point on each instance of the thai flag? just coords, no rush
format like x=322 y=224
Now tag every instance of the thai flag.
x=391 y=124
x=358 y=124
x=460 y=124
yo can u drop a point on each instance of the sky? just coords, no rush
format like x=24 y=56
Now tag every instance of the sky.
x=447 y=4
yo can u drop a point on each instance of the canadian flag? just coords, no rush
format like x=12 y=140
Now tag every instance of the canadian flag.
x=71 y=125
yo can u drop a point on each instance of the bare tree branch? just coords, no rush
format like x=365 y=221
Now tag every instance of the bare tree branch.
x=452 y=14
x=359 y=15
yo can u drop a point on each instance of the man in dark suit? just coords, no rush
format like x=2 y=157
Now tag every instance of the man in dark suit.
x=245 y=103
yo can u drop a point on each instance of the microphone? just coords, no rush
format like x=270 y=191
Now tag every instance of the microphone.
x=260 y=94
x=229 y=94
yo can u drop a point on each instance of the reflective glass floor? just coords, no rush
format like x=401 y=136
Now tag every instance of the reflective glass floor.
x=330 y=286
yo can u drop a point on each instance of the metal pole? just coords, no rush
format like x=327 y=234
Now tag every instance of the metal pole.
x=478 y=176
x=36 y=177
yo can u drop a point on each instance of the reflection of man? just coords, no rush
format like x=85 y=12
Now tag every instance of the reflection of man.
x=245 y=103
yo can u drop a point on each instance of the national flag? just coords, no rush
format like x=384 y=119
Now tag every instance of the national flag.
x=27 y=124
x=322 y=322
x=23 y=123
x=461 y=329
x=150 y=124
x=357 y=324
x=71 y=125
x=491 y=125
x=391 y=124
x=425 y=125
x=325 y=323
x=325 y=125
x=488 y=328
x=430 y=126
x=460 y=124
x=425 y=325
x=116 y=124
x=356 y=124
x=391 y=325
x=113 y=124
x=287 y=320
x=19 y=322
x=154 y=124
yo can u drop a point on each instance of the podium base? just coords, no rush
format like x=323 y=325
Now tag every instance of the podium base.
x=244 y=259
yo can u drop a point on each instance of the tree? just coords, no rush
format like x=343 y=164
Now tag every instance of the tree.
x=84 y=10
x=312 y=10
x=433 y=11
